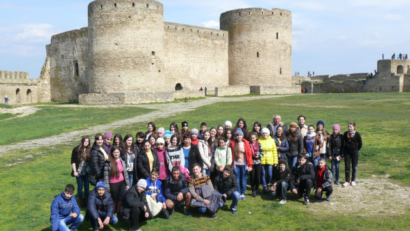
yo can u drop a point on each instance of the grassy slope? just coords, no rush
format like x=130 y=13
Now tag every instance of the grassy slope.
x=24 y=205
x=54 y=120
x=7 y=116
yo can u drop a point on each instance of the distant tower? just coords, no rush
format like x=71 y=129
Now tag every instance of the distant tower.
x=126 y=44
x=260 y=46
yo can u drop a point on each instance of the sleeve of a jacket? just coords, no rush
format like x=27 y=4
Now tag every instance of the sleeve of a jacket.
x=107 y=173
x=182 y=158
x=92 y=210
x=168 y=194
x=126 y=177
x=342 y=148
x=142 y=170
x=110 y=207
x=286 y=147
x=229 y=157
x=248 y=154
x=234 y=187
x=329 y=181
x=94 y=162
x=194 y=195
x=260 y=151
x=74 y=156
x=54 y=217
x=204 y=155
x=359 y=141
x=275 y=154
x=217 y=156
x=300 y=142
x=292 y=180
x=75 y=208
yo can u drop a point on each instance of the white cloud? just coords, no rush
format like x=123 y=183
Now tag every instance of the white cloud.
x=34 y=32
x=394 y=17
x=211 y=24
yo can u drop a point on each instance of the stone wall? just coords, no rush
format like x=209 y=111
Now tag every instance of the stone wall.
x=297 y=80
x=274 y=90
x=195 y=57
x=349 y=86
x=190 y=94
x=260 y=46
x=68 y=53
x=126 y=98
x=19 y=93
x=232 y=90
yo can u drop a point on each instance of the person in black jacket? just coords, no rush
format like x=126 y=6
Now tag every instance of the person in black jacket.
x=80 y=162
x=280 y=181
x=100 y=211
x=295 y=140
x=302 y=177
x=336 y=151
x=194 y=157
x=98 y=158
x=176 y=190
x=323 y=180
x=227 y=185
x=147 y=160
x=352 y=142
x=134 y=205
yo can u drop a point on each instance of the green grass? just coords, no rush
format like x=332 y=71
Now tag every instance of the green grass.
x=7 y=116
x=382 y=119
x=54 y=120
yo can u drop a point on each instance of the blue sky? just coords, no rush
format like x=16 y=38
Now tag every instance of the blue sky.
x=329 y=37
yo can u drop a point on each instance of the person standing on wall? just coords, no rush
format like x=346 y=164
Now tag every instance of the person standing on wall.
x=6 y=100
x=383 y=56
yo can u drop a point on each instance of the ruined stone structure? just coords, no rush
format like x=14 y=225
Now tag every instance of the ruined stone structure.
x=22 y=90
x=128 y=54
x=390 y=73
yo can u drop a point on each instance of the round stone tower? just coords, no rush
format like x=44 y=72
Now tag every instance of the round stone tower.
x=260 y=46
x=126 y=46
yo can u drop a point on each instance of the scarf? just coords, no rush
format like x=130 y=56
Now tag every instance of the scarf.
x=310 y=136
x=105 y=154
x=254 y=148
x=351 y=134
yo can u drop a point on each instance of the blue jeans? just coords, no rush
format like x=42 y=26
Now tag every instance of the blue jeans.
x=292 y=160
x=281 y=190
x=235 y=197
x=314 y=161
x=62 y=224
x=130 y=177
x=82 y=180
x=240 y=172
x=266 y=174
x=323 y=156
x=335 y=167
x=6 y=101
x=201 y=210
x=207 y=172
x=94 y=223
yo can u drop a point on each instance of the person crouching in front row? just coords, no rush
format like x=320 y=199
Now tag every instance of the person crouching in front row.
x=280 y=181
x=227 y=185
x=323 y=180
x=301 y=181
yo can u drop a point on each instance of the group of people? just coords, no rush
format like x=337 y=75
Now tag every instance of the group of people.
x=399 y=56
x=159 y=170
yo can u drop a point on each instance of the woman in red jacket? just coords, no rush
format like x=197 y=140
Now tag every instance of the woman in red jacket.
x=241 y=159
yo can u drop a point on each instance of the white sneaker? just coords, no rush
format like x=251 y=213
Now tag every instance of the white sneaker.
x=282 y=202
x=353 y=183
x=346 y=184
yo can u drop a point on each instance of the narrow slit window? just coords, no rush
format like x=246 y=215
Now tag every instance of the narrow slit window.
x=76 y=69
x=280 y=71
x=101 y=6
x=262 y=12
x=147 y=5
x=250 y=13
x=153 y=53
x=277 y=35
x=280 y=14
x=115 y=5
x=133 y=4
x=257 y=54
x=240 y=13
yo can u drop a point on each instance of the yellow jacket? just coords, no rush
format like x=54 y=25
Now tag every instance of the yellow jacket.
x=270 y=154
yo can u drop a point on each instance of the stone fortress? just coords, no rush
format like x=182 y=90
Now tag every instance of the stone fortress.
x=390 y=73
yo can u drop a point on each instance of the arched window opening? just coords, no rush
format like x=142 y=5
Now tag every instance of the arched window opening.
x=178 y=87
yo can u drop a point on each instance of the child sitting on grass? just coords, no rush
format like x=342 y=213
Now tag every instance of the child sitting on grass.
x=301 y=181
x=61 y=209
x=323 y=180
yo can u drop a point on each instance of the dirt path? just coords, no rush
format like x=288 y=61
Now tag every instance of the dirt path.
x=162 y=111
x=23 y=111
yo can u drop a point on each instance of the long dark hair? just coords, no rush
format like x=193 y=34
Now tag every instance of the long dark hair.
x=226 y=133
x=217 y=136
x=97 y=137
x=126 y=147
x=175 y=135
x=244 y=129
x=154 y=128
x=175 y=126
x=236 y=147
x=139 y=145
x=282 y=137
x=209 y=140
x=292 y=135
x=114 y=168
x=121 y=144
x=259 y=125
x=81 y=149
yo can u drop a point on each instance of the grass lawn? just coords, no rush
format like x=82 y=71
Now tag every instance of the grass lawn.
x=382 y=119
x=54 y=120
x=7 y=116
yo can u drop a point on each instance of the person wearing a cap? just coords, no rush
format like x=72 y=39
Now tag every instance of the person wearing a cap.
x=184 y=129
x=161 y=132
x=163 y=167
x=135 y=206
x=336 y=151
x=108 y=141
x=324 y=137
x=269 y=160
x=295 y=141
x=194 y=136
x=277 y=121
x=167 y=138
x=242 y=160
x=280 y=181
x=100 y=208
x=228 y=124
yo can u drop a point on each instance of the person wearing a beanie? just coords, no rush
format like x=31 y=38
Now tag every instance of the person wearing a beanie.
x=312 y=145
x=303 y=128
x=269 y=160
x=163 y=167
x=228 y=124
x=167 y=138
x=80 y=163
x=100 y=208
x=324 y=137
x=336 y=151
x=184 y=129
x=242 y=160
x=241 y=125
x=194 y=136
x=135 y=206
x=277 y=121
x=280 y=181
x=116 y=177
x=108 y=140
x=161 y=133
x=295 y=141
x=352 y=142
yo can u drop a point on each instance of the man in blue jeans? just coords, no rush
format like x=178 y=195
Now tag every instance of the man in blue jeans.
x=61 y=209
x=227 y=185
x=280 y=181
x=100 y=206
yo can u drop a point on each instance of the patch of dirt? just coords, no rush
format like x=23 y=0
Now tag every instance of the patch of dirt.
x=377 y=195
x=316 y=106
x=163 y=111
x=23 y=111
